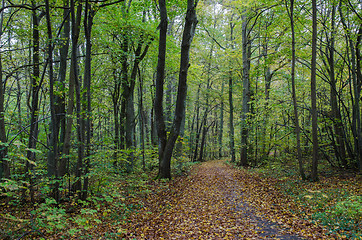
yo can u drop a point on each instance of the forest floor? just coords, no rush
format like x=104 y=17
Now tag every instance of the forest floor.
x=218 y=201
x=215 y=200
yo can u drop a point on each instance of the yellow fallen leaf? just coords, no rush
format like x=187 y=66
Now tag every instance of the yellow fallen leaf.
x=122 y=230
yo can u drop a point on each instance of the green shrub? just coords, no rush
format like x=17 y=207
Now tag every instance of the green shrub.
x=50 y=217
x=350 y=208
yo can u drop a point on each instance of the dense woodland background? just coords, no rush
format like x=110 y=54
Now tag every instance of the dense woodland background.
x=269 y=83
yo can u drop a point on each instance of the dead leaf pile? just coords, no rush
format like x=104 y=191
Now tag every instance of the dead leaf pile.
x=217 y=201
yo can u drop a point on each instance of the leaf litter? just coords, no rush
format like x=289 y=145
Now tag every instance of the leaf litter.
x=217 y=201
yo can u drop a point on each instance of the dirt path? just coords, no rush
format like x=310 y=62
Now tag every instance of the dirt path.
x=215 y=202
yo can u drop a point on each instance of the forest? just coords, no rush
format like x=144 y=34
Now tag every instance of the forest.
x=116 y=116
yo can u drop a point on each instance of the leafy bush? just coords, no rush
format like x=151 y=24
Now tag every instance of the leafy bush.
x=349 y=208
x=50 y=217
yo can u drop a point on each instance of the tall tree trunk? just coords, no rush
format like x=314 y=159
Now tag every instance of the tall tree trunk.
x=294 y=95
x=221 y=126
x=203 y=141
x=158 y=103
x=74 y=86
x=314 y=175
x=168 y=103
x=128 y=97
x=166 y=144
x=88 y=23
x=4 y=164
x=115 y=100
x=340 y=150
x=142 y=119
x=195 y=130
x=246 y=92
x=231 y=101
x=34 y=107
x=54 y=130
x=73 y=74
x=356 y=85
x=231 y=118
x=359 y=81
x=205 y=127
x=60 y=99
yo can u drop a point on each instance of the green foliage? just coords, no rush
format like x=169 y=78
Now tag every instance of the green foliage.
x=86 y=219
x=344 y=216
x=49 y=216
x=10 y=188
x=349 y=208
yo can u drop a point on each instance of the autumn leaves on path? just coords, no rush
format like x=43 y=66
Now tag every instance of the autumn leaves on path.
x=217 y=201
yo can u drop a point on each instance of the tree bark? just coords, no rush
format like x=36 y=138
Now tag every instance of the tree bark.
x=166 y=144
x=73 y=74
x=4 y=164
x=74 y=86
x=160 y=78
x=221 y=126
x=231 y=118
x=54 y=130
x=246 y=45
x=314 y=175
x=356 y=85
x=294 y=95
x=34 y=107
x=60 y=99
x=340 y=150
x=87 y=108
x=231 y=101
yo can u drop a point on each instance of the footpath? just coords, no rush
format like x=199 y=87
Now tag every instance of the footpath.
x=217 y=201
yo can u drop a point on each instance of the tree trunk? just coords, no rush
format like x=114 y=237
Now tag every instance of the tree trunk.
x=166 y=144
x=142 y=120
x=359 y=81
x=231 y=101
x=73 y=74
x=340 y=150
x=294 y=95
x=34 y=107
x=115 y=100
x=4 y=164
x=205 y=127
x=195 y=131
x=356 y=85
x=54 y=130
x=314 y=175
x=221 y=127
x=75 y=82
x=60 y=99
x=87 y=108
x=246 y=92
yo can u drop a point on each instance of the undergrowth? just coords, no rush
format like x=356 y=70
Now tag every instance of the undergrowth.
x=335 y=201
x=114 y=197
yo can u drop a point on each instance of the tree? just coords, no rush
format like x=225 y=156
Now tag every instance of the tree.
x=313 y=94
x=294 y=95
x=4 y=164
x=231 y=102
x=167 y=143
x=246 y=48
x=36 y=83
